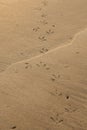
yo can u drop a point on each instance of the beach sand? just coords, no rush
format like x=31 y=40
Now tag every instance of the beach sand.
x=43 y=65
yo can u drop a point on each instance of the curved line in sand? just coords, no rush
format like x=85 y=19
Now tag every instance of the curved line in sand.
x=50 y=51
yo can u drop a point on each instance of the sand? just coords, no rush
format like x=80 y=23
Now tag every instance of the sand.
x=43 y=63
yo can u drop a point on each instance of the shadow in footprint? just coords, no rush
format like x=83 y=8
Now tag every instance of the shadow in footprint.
x=53 y=26
x=67 y=97
x=77 y=52
x=13 y=127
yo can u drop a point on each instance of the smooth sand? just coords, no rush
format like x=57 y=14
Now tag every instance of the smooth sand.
x=43 y=64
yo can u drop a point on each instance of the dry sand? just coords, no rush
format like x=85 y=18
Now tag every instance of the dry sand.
x=43 y=65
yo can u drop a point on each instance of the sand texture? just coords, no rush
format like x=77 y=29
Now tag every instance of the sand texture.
x=43 y=64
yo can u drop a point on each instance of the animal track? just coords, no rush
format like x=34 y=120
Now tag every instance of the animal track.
x=42 y=38
x=27 y=65
x=57 y=118
x=49 y=31
x=56 y=92
x=55 y=77
x=42 y=64
x=43 y=50
x=70 y=108
x=44 y=22
x=36 y=29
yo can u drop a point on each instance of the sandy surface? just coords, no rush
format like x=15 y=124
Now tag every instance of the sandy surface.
x=43 y=65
